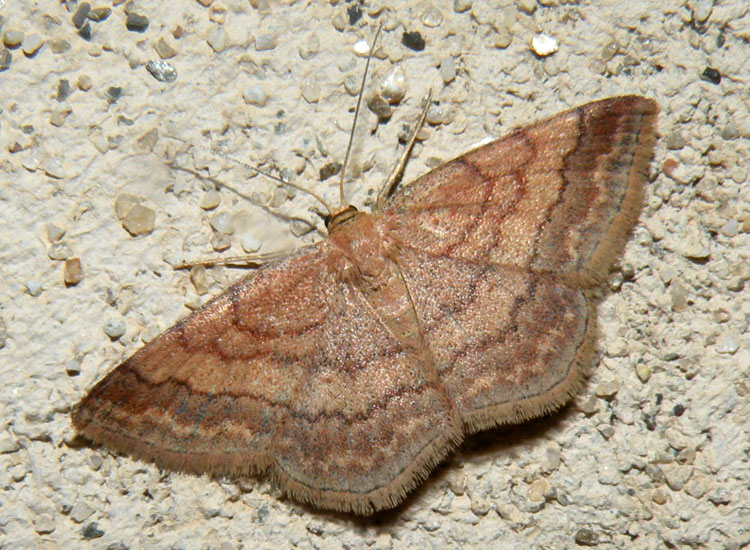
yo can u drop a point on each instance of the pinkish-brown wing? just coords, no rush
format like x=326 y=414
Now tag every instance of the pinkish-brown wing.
x=289 y=370
x=209 y=393
x=507 y=343
x=559 y=195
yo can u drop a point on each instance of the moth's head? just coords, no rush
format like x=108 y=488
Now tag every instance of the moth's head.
x=340 y=217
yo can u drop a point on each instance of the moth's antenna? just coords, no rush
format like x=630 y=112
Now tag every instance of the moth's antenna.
x=356 y=115
x=278 y=179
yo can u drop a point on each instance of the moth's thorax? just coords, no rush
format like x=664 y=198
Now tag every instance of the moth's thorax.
x=362 y=246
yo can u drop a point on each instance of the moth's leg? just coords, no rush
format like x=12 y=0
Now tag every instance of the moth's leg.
x=398 y=169
x=249 y=260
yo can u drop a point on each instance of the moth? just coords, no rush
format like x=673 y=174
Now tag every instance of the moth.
x=348 y=370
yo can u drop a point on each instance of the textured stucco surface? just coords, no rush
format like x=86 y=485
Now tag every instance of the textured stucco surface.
x=653 y=452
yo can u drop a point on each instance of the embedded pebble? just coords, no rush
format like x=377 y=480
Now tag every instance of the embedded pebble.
x=114 y=328
x=609 y=51
x=697 y=486
x=139 y=220
x=503 y=38
x=99 y=14
x=44 y=524
x=675 y=141
x=544 y=45
x=393 y=86
x=265 y=42
x=711 y=75
x=199 y=278
x=300 y=227
x=54 y=233
x=92 y=531
x=460 y=6
x=123 y=204
x=255 y=95
x=113 y=94
x=59 y=251
x=249 y=242
x=59 y=46
x=5 y=58
x=34 y=287
x=3 y=333
x=448 y=70
x=217 y=39
x=161 y=70
x=8 y=443
x=731 y=228
x=84 y=83
x=435 y=115
x=81 y=15
x=220 y=242
x=607 y=389
x=527 y=6
x=136 y=22
x=165 y=49
x=31 y=44
x=676 y=476
x=352 y=84
x=58 y=116
x=589 y=405
x=380 y=107
x=538 y=490
x=643 y=372
x=413 y=40
x=12 y=38
x=586 y=537
x=678 y=295
x=80 y=512
x=361 y=48
x=72 y=272
x=432 y=17
x=63 y=89
x=54 y=169
x=210 y=200
x=659 y=497
x=618 y=348
x=73 y=366
x=310 y=90
x=728 y=343
x=222 y=222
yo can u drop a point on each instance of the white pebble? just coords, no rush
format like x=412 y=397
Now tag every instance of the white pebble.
x=544 y=45
x=432 y=17
x=265 y=42
x=311 y=90
x=362 y=48
x=730 y=228
x=222 y=223
x=114 y=328
x=34 y=287
x=31 y=44
x=255 y=95
x=217 y=39
x=393 y=86
x=59 y=251
x=220 y=242
x=210 y=200
x=250 y=242
x=728 y=343
x=139 y=220
x=54 y=169
x=448 y=70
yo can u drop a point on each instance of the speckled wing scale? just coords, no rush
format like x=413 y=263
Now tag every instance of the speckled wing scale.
x=350 y=369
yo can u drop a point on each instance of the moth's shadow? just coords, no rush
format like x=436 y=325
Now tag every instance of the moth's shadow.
x=482 y=446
